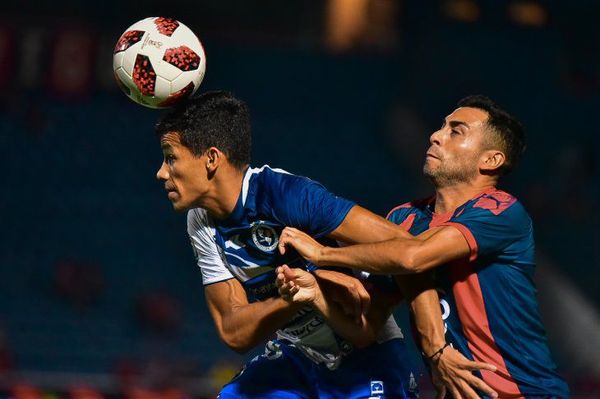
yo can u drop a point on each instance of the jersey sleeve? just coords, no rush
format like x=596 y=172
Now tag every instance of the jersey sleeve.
x=490 y=225
x=305 y=204
x=399 y=214
x=207 y=255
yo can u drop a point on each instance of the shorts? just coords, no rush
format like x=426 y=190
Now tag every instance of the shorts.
x=381 y=371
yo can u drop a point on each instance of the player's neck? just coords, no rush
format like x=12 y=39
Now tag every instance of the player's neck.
x=225 y=193
x=448 y=198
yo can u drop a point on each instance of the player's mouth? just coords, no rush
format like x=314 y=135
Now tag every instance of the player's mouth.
x=431 y=155
x=171 y=193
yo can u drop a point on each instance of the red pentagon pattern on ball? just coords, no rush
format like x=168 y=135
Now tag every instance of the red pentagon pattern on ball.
x=174 y=97
x=143 y=75
x=182 y=57
x=166 y=26
x=128 y=39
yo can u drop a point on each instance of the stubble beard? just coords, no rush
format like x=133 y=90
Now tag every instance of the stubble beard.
x=444 y=175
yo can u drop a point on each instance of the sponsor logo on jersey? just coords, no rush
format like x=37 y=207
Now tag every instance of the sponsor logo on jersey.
x=264 y=290
x=264 y=236
x=306 y=329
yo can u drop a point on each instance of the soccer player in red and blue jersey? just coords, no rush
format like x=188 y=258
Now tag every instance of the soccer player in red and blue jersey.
x=474 y=243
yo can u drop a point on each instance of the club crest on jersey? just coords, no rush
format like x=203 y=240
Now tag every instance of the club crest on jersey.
x=376 y=389
x=264 y=236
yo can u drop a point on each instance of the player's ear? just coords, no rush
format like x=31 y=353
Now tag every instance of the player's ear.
x=491 y=160
x=214 y=157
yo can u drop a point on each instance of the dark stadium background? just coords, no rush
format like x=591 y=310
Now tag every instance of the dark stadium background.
x=99 y=295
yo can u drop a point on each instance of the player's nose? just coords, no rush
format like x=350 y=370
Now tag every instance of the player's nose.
x=163 y=173
x=435 y=137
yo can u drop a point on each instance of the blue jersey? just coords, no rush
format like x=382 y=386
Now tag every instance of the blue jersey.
x=244 y=246
x=489 y=300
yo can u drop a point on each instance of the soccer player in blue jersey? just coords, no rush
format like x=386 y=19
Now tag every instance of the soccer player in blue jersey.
x=235 y=217
x=475 y=243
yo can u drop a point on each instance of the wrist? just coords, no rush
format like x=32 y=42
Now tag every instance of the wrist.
x=322 y=255
x=296 y=305
x=318 y=303
x=432 y=357
x=431 y=344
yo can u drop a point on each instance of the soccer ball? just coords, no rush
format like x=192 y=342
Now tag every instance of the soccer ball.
x=158 y=61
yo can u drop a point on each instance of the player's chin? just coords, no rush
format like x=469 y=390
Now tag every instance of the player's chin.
x=179 y=205
x=428 y=170
x=180 y=208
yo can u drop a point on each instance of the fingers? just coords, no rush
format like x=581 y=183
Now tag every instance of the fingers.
x=474 y=366
x=467 y=392
x=440 y=392
x=279 y=277
x=289 y=231
x=456 y=372
x=361 y=300
x=365 y=299
x=478 y=383
x=286 y=238
x=284 y=286
x=455 y=393
x=354 y=307
x=357 y=301
x=282 y=244
x=288 y=290
x=289 y=273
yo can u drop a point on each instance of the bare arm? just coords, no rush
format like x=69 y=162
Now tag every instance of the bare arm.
x=363 y=226
x=299 y=286
x=242 y=325
x=399 y=255
x=346 y=291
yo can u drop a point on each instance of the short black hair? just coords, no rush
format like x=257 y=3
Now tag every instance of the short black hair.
x=510 y=134
x=216 y=118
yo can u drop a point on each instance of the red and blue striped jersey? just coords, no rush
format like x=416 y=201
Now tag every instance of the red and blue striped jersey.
x=489 y=300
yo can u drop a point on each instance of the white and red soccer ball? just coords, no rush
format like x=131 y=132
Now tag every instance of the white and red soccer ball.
x=158 y=61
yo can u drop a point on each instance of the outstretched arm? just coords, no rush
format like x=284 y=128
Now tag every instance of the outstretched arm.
x=398 y=255
x=242 y=325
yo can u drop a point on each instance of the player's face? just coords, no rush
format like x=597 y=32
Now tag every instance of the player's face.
x=456 y=147
x=182 y=173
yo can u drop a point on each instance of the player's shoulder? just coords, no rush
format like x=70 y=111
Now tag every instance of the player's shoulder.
x=277 y=183
x=498 y=202
x=402 y=211
x=197 y=218
x=271 y=177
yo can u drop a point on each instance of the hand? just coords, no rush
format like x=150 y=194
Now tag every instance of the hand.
x=348 y=292
x=436 y=380
x=297 y=285
x=452 y=371
x=306 y=246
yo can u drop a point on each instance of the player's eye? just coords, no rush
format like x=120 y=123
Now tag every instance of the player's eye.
x=454 y=132
x=170 y=159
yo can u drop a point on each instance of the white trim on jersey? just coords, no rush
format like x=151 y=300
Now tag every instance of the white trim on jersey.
x=244 y=261
x=254 y=171
x=208 y=257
